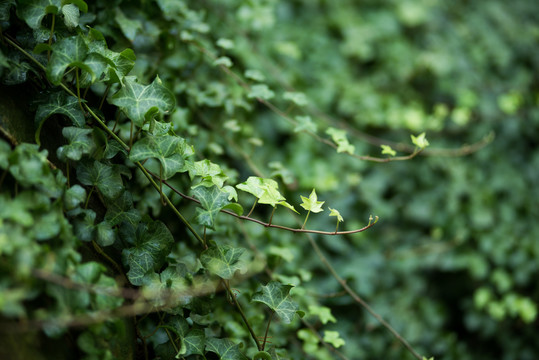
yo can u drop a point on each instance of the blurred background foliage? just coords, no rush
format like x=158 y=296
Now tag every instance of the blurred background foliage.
x=452 y=264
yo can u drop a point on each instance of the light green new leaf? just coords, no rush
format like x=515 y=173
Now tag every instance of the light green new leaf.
x=80 y=142
x=339 y=137
x=33 y=11
x=276 y=296
x=222 y=260
x=420 y=140
x=387 y=150
x=105 y=177
x=136 y=100
x=153 y=242
x=266 y=190
x=212 y=200
x=297 y=98
x=225 y=348
x=323 y=313
x=311 y=203
x=167 y=149
x=333 y=212
x=305 y=123
x=58 y=103
x=260 y=91
x=333 y=338
x=67 y=52
x=121 y=209
x=211 y=173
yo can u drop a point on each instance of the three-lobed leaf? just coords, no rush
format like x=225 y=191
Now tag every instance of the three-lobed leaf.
x=225 y=348
x=311 y=203
x=166 y=148
x=212 y=200
x=276 y=296
x=67 y=52
x=222 y=260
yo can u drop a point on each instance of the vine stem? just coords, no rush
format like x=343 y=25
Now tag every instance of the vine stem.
x=267 y=330
x=359 y=300
x=251 y=331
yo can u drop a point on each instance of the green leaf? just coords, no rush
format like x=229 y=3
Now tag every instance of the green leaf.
x=167 y=149
x=222 y=261
x=153 y=242
x=74 y=196
x=137 y=100
x=59 y=103
x=311 y=203
x=305 y=123
x=266 y=190
x=67 y=52
x=106 y=235
x=121 y=209
x=333 y=338
x=212 y=200
x=254 y=74
x=223 y=61
x=333 y=212
x=420 y=140
x=105 y=177
x=260 y=91
x=386 y=149
x=276 y=296
x=193 y=343
x=297 y=98
x=225 y=348
x=211 y=173
x=33 y=11
x=323 y=313
x=80 y=143
x=71 y=15
x=339 y=137
x=129 y=27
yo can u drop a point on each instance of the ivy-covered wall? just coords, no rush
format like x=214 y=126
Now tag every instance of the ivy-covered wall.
x=260 y=179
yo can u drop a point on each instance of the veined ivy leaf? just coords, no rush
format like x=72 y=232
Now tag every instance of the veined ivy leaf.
x=71 y=15
x=211 y=173
x=420 y=140
x=386 y=149
x=276 y=296
x=193 y=343
x=59 y=103
x=121 y=209
x=33 y=11
x=311 y=203
x=212 y=200
x=80 y=143
x=339 y=137
x=225 y=348
x=153 y=242
x=166 y=149
x=222 y=260
x=105 y=177
x=260 y=91
x=333 y=212
x=67 y=52
x=266 y=190
x=136 y=100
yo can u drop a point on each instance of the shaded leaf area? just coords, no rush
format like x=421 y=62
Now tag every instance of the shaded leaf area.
x=223 y=260
x=68 y=52
x=151 y=242
x=276 y=296
x=105 y=177
x=80 y=143
x=143 y=102
x=225 y=348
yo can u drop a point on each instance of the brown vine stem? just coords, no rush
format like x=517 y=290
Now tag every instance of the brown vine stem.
x=269 y=224
x=359 y=300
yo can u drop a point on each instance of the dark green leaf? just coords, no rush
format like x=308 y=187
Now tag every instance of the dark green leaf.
x=136 y=100
x=80 y=143
x=275 y=296
x=225 y=348
x=153 y=242
x=105 y=177
x=74 y=196
x=67 y=52
x=33 y=11
x=121 y=209
x=106 y=235
x=212 y=200
x=223 y=260
x=167 y=149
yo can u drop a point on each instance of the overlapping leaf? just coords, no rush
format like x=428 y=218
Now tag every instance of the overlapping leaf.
x=59 y=103
x=80 y=143
x=33 y=11
x=276 y=296
x=166 y=148
x=266 y=190
x=138 y=100
x=67 y=52
x=222 y=260
x=152 y=242
x=211 y=173
x=121 y=209
x=225 y=348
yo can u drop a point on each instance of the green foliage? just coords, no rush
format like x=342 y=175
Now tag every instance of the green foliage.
x=122 y=234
